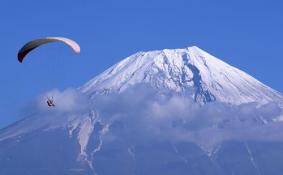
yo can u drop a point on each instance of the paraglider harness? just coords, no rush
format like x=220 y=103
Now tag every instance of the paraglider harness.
x=50 y=102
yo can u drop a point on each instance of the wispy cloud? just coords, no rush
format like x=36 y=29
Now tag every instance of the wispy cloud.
x=142 y=113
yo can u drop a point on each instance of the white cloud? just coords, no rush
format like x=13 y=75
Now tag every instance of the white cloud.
x=176 y=118
x=143 y=113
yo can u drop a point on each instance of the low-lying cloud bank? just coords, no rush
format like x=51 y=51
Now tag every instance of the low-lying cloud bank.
x=141 y=113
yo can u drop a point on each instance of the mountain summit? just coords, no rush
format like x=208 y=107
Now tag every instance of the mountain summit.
x=192 y=70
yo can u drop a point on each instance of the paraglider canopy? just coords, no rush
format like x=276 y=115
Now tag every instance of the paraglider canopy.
x=28 y=47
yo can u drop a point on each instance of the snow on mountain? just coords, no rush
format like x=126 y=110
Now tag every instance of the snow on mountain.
x=183 y=70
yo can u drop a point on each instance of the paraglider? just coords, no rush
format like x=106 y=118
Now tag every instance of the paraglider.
x=50 y=102
x=28 y=47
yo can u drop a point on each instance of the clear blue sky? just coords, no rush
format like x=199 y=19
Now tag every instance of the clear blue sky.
x=246 y=34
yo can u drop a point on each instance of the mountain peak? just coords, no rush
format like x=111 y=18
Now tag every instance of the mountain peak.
x=202 y=76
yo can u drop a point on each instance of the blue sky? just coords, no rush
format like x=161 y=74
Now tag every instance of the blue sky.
x=246 y=34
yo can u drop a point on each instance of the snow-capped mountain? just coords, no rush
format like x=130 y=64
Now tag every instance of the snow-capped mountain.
x=184 y=70
x=143 y=116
